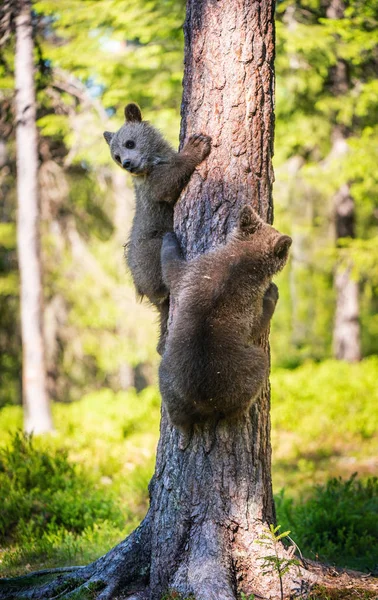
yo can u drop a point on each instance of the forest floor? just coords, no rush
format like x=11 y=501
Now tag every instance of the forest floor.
x=70 y=496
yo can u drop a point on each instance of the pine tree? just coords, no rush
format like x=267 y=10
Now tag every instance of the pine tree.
x=36 y=402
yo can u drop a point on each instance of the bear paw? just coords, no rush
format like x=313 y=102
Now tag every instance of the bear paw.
x=272 y=293
x=198 y=145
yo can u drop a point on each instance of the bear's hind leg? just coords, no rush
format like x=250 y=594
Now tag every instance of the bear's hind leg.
x=181 y=410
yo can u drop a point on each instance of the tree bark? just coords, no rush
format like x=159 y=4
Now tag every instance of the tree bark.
x=36 y=403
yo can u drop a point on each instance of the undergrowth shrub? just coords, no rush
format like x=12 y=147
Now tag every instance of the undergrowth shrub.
x=338 y=523
x=46 y=500
x=326 y=403
x=324 y=422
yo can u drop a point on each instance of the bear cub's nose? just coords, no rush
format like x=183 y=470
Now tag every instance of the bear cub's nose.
x=126 y=163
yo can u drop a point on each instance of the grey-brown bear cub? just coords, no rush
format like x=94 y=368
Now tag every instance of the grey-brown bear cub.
x=224 y=300
x=159 y=176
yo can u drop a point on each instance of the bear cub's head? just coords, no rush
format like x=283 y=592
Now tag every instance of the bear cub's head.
x=137 y=146
x=266 y=246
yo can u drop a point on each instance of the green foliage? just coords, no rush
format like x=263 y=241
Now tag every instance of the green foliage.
x=326 y=72
x=323 y=421
x=47 y=501
x=9 y=339
x=309 y=44
x=336 y=522
x=342 y=395
x=9 y=284
x=7 y=236
x=107 y=329
x=134 y=46
x=54 y=126
x=89 y=207
x=69 y=497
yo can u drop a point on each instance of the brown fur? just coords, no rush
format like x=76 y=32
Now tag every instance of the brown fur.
x=212 y=365
x=159 y=176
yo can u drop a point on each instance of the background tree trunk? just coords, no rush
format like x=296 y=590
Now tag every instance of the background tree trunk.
x=346 y=331
x=36 y=403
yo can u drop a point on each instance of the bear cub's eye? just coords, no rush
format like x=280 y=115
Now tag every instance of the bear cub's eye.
x=129 y=144
x=118 y=158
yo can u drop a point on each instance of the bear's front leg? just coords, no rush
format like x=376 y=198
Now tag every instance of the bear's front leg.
x=168 y=180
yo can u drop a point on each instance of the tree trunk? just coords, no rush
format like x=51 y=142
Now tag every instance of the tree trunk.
x=36 y=403
x=213 y=492
x=346 y=330
x=222 y=478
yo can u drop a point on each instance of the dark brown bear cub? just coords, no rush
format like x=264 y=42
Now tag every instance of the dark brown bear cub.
x=159 y=176
x=212 y=366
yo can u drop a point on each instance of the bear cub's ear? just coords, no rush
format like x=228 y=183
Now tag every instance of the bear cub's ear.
x=108 y=136
x=282 y=245
x=133 y=113
x=249 y=220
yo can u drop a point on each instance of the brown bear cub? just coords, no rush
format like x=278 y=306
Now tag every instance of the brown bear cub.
x=212 y=366
x=159 y=176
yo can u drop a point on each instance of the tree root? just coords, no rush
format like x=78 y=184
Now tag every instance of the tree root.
x=125 y=566
x=42 y=573
x=206 y=572
x=35 y=586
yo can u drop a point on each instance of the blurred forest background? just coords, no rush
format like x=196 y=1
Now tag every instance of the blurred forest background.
x=68 y=497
